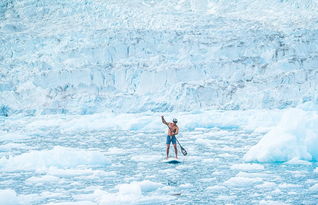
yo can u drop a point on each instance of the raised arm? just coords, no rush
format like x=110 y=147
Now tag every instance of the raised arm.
x=164 y=121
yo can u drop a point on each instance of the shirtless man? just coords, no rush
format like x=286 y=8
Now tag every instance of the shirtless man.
x=172 y=131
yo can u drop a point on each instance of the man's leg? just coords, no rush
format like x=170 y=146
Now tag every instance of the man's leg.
x=175 y=150
x=168 y=147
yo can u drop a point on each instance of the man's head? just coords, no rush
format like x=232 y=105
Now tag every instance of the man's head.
x=175 y=120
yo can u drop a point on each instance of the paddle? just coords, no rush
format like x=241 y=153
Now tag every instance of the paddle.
x=184 y=152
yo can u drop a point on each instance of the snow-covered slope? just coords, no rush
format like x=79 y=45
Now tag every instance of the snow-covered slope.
x=89 y=56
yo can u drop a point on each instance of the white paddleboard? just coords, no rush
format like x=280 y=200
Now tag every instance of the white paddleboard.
x=172 y=160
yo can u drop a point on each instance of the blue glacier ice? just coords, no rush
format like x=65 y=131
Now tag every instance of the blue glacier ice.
x=83 y=85
x=136 y=56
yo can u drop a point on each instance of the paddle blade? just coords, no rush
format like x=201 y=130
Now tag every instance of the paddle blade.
x=184 y=152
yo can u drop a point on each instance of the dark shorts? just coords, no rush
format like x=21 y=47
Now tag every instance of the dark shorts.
x=172 y=139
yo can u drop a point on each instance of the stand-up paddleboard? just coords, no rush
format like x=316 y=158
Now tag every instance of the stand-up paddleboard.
x=172 y=161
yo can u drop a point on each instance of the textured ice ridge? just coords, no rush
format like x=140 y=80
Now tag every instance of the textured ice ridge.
x=92 y=56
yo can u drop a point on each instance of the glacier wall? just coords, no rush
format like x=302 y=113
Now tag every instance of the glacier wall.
x=91 y=56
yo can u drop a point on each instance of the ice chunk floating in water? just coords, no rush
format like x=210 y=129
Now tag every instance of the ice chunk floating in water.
x=60 y=157
x=8 y=197
x=294 y=137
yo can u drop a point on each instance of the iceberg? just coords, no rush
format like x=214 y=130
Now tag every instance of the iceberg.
x=294 y=138
x=59 y=157
x=9 y=197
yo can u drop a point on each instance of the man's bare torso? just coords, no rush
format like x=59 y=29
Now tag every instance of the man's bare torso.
x=172 y=129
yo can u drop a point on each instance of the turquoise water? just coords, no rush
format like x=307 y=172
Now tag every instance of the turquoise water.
x=121 y=162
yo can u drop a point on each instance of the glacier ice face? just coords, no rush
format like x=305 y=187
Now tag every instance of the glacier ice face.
x=143 y=55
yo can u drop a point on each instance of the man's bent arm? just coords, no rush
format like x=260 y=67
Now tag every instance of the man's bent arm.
x=177 y=131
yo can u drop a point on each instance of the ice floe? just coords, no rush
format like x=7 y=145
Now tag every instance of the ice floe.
x=60 y=157
x=294 y=138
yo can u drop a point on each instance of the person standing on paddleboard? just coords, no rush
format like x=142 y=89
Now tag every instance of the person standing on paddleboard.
x=173 y=130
